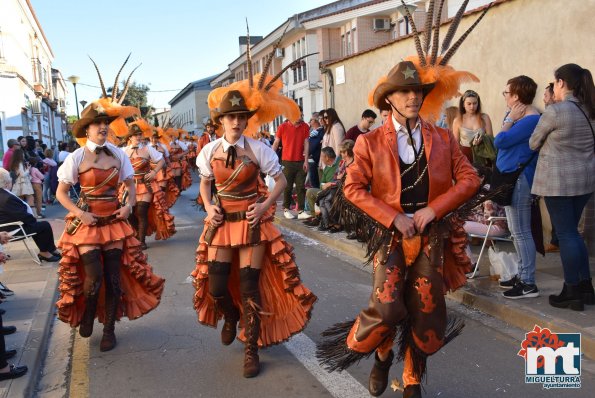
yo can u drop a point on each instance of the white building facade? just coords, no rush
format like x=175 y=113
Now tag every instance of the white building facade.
x=32 y=99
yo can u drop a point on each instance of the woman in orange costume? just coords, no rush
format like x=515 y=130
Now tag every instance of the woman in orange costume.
x=191 y=156
x=164 y=177
x=177 y=151
x=245 y=270
x=151 y=213
x=98 y=243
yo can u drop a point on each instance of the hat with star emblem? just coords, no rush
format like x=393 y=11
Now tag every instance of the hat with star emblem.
x=232 y=103
x=403 y=76
x=94 y=113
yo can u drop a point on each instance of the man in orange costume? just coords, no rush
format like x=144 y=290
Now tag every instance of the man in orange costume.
x=407 y=176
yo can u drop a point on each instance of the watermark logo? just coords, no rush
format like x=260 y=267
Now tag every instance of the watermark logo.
x=552 y=359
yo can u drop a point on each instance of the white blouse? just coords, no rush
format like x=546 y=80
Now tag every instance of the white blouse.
x=267 y=159
x=68 y=173
x=180 y=144
x=154 y=154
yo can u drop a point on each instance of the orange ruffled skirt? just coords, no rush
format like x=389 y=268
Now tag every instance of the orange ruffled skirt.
x=186 y=176
x=161 y=223
x=286 y=303
x=165 y=175
x=141 y=288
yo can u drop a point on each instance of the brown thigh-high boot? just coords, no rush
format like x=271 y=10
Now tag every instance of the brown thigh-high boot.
x=251 y=304
x=142 y=214
x=112 y=262
x=91 y=262
x=218 y=277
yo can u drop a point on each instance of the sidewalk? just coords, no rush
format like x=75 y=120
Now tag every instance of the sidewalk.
x=31 y=309
x=484 y=294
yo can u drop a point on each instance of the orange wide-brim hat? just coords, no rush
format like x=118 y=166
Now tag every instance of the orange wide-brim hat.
x=403 y=76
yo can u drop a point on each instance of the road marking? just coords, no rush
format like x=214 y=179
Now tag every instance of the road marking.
x=339 y=385
x=79 y=375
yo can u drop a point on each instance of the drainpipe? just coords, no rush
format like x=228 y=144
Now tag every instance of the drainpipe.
x=329 y=73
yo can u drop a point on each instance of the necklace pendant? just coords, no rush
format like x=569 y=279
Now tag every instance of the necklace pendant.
x=410 y=141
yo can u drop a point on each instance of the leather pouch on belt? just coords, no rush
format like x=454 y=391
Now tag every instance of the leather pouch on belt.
x=210 y=234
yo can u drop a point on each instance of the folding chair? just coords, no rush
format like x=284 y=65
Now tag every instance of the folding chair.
x=486 y=237
x=19 y=234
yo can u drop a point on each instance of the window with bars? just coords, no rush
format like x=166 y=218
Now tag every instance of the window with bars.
x=299 y=50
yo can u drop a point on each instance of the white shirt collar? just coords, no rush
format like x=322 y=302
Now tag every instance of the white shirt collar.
x=92 y=146
x=226 y=144
x=400 y=129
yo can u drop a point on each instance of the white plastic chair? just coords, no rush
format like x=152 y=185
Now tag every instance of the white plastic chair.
x=19 y=234
x=486 y=237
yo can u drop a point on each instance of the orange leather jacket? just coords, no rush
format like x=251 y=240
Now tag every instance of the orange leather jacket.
x=452 y=178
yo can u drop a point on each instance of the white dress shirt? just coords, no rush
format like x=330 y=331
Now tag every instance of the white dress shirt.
x=68 y=173
x=267 y=159
x=406 y=152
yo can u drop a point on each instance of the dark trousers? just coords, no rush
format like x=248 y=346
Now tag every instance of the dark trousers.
x=3 y=362
x=44 y=236
x=565 y=213
x=313 y=175
x=294 y=173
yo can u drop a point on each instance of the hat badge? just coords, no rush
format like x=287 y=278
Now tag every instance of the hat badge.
x=409 y=73
x=235 y=101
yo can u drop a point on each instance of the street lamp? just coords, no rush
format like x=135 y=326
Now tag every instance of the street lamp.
x=83 y=103
x=74 y=80
x=402 y=9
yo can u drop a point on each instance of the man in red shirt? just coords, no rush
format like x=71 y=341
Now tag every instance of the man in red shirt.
x=293 y=137
x=367 y=120
x=12 y=145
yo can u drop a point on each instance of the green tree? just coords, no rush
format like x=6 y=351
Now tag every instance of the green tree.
x=136 y=96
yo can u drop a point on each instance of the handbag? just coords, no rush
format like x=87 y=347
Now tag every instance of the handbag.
x=503 y=263
x=500 y=179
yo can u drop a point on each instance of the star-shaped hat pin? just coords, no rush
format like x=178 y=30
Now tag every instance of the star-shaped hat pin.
x=409 y=73
x=235 y=101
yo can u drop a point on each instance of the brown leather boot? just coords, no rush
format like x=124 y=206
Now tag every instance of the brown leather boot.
x=379 y=375
x=412 y=391
x=86 y=325
x=108 y=341
x=251 y=305
x=231 y=315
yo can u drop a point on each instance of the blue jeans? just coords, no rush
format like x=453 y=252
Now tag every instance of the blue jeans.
x=565 y=213
x=518 y=216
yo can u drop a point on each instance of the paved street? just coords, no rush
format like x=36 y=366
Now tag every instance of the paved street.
x=168 y=354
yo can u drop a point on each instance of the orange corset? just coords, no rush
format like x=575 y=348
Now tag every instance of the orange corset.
x=102 y=201
x=141 y=166
x=237 y=188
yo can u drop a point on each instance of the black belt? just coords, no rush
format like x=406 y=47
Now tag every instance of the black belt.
x=235 y=217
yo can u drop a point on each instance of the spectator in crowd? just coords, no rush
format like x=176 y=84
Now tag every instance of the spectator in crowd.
x=548 y=95
x=37 y=178
x=384 y=115
x=314 y=145
x=294 y=138
x=471 y=124
x=549 y=99
x=14 y=209
x=7 y=371
x=478 y=222
x=4 y=291
x=329 y=159
x=50 y=168
x=23 y=142
x=334 y=131
x=12 y=146
x=364 y=125
x=63 y=147
x=20 y=173
x=451 y=113
x=513 y=150
x=565 y=176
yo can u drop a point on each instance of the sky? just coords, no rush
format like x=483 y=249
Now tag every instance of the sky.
x=176 y=41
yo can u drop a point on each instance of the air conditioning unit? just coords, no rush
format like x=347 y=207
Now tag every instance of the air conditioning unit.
x=38 y=88
x=290 y=93
x=279 y=53
x=381 y=24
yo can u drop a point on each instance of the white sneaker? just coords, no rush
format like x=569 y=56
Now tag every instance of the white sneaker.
x=303 y=215
x=288 y=214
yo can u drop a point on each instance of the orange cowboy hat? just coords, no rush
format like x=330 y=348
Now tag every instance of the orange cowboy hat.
x=403 y=76
x=232 y=103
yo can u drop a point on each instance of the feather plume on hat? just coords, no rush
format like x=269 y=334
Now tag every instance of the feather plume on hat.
x=433 y=67
x=265 y=98
x=108 y=107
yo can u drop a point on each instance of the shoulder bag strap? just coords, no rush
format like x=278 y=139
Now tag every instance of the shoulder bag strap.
x=586 y=117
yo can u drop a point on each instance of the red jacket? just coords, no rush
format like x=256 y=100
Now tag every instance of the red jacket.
x=452 y=178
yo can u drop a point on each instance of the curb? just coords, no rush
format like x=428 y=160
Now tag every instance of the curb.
x=524 y=318
x=36 y=344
